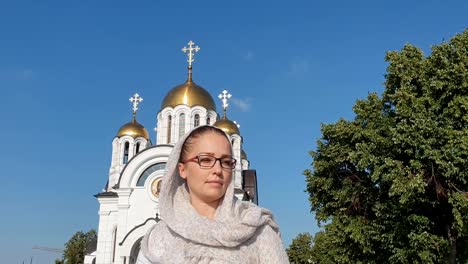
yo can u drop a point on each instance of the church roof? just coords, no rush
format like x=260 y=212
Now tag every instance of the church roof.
x=133 y=129
x=188 y=93
x=224 y=123
x=106 y=194
x=227 y=126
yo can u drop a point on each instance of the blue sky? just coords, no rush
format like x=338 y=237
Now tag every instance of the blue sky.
x=67 y=69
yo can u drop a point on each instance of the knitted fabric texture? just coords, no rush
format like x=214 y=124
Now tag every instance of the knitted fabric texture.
x=240 y=232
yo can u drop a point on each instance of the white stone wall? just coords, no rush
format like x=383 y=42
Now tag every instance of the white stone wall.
x=108 y=220
x=133 y=206
x=190 y=112
x=245 y=164
x=236 y=141
x=118 y=148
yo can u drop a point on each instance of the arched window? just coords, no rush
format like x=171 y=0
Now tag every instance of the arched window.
x=134 y=251
x=196 y=120
x=137 y=148
x=181 y=125
x=208 y=120
x=169 y=123
x=125 y=154
x=115 y=243
x=149 y=171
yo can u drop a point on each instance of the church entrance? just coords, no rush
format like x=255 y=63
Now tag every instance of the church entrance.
x=134 y=252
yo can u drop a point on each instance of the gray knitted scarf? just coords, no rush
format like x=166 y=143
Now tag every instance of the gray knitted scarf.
x=234 y=223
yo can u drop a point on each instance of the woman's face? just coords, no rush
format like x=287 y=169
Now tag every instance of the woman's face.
x=207 y=185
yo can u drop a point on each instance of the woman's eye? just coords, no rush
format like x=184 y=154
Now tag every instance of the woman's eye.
x=206 y=160
x=227 y=162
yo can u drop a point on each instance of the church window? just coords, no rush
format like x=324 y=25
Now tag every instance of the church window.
x=196 y=120
x=207 y=120
x=169 y=123
x=134 y=252
x=181 y=125
x=137 y=149
x=125 y=156
x=115 y=243
x=149 y=171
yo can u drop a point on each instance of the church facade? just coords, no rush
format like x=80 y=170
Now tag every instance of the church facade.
x=129 y=202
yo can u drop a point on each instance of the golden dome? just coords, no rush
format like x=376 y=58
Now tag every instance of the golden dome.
x=227 y=126
x=189 y=94
x=243 y=154
x=133 y=129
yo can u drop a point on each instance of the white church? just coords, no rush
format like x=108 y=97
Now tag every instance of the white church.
x=128 y=205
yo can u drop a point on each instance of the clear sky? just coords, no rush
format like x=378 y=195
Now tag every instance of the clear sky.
x=67 y=69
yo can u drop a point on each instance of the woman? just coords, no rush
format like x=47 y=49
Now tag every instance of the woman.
x=202 y=221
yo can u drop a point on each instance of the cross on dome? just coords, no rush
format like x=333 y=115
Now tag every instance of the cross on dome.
x=135 y=100
x=191 y=52
x=224 y=96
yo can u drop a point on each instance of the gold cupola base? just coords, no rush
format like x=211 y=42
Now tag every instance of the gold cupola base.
x=227 y=126
x=133 y=129
x=189 y=93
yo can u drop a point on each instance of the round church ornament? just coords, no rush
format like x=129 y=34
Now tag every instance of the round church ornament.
x=156 y=187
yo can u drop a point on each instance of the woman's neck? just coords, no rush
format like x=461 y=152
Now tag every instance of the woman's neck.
x=203 y=208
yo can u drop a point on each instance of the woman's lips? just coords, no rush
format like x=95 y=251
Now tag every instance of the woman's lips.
x=215 y=182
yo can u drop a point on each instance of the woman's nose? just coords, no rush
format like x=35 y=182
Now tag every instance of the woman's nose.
x=217 y=166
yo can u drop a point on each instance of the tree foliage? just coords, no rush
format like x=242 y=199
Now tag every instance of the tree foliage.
x=75 y=248
x=300 y=250
x=392 y=184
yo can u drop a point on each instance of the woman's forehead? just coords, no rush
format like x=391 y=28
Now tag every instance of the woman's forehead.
x=209 y=142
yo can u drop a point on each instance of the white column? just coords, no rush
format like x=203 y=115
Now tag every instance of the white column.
x=123 y=207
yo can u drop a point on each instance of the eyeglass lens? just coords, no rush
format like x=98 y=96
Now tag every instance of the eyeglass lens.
x=209 y=162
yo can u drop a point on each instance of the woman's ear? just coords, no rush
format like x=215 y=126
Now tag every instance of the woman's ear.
x=182 y=171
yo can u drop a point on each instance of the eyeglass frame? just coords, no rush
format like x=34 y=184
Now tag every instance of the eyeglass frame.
x=197 y=160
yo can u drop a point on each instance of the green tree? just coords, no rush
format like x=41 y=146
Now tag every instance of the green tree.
x=75 y=248
x=300 y=250
x=391 y=186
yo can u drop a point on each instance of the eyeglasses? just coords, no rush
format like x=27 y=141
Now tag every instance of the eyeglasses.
x=208 y=162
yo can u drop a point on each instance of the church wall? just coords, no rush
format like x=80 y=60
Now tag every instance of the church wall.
x=141 y=207
x=245 y=164
x=135 y=207
x=143 y=145
x=163 y=116
x=108 y=219
x=116 y=167
x=123 y=221
x=201 y=111
x=213 y=116
x=137 y=166
x=236 y=141
x=162 y=125
x=118 y=147
x=178 y=110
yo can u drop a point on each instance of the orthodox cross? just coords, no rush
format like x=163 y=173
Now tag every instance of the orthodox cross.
x=224 y=96
x=135 y=100
x=191 y=52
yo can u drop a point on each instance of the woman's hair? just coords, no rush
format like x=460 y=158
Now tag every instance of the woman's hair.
x=196 y=133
